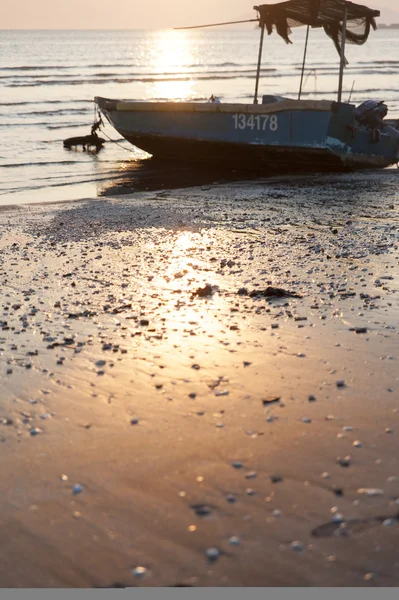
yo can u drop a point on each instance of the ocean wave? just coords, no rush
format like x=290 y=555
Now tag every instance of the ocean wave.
x=35 y=68
x=380 y=72
x=29 y=102
x=149 y=79
x=64 y=125
x=38 y=164
x=72 y=79
x=22 y=124
x=378 y=62
x=59 y=113
x=47 y=183
x=120 y=65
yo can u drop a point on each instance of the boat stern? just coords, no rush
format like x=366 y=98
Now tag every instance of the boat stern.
x=359 y=146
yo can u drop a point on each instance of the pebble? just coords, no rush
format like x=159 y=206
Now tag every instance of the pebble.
x=340 y=383
x=389 y=522
x=312 y=398
x=370 y=492
x=357 y=444
x=276 y=478
x=234 y=540
x=345 y=461
x=212 y=554
x=270 y=400
x=36 y=431
x=369 y=576
x=337 y=518
x=306 y=420
x=77 y=489
x=134 y=421
x=139 y=571
x=237 y=465
x=297 y=546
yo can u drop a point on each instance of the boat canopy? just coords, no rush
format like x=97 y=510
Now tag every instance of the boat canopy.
x=329 y=14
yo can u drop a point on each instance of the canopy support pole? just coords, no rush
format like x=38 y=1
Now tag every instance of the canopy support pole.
x=342 y=63
x=304 y=60
x=262 y=33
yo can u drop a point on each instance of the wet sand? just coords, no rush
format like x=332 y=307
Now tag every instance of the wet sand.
x=160 y=409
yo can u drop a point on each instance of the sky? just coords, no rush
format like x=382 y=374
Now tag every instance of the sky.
x=145 y=14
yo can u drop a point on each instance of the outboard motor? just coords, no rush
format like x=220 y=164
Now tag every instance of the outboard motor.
x=371 y=114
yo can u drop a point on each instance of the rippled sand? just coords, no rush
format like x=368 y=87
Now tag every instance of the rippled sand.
x=189 y=422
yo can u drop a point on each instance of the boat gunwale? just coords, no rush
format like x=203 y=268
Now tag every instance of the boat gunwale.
x=215 y=107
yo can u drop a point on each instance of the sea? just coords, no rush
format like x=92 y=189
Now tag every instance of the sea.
x=48 y=81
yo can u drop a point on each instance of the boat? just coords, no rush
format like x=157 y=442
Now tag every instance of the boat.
x=272 y=134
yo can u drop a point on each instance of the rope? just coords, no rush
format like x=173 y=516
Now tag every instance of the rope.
x=115 y=142
x=97 y=114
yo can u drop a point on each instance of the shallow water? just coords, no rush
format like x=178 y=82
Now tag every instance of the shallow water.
x=48 y=80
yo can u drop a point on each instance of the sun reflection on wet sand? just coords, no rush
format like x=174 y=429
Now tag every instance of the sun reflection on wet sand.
x=172 y=291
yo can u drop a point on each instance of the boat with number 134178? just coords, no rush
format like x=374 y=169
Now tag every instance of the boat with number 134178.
x=274 y=134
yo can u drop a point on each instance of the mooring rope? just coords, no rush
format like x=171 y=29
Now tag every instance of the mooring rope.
x=114 y=141
x=98 y=119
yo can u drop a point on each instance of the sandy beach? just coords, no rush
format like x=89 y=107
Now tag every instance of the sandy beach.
x=200 y=387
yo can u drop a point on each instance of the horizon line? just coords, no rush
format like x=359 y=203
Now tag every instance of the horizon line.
x=118 y=28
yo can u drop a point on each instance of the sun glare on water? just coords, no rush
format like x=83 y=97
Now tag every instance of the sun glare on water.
x=173 y=52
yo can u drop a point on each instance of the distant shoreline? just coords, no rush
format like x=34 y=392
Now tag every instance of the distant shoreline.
x=229 y=28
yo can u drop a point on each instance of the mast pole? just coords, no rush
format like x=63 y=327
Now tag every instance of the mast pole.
x=262 y=33
x=342 y=63
x=303 y=63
